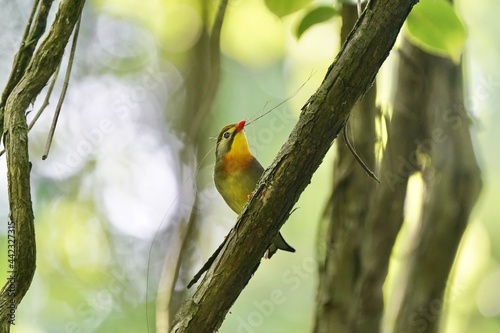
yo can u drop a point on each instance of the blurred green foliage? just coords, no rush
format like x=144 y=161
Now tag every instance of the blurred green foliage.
x=314 y=16
x=283 y=8
x=435 y=27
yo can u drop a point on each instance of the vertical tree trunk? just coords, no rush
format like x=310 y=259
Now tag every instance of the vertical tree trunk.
x=347 y=209
x=428 y=119
x=386 y=213
x=201 y=84
x=452 y=185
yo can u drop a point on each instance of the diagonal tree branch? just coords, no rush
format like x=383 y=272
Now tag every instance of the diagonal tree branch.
x=321 y=120
x=43 y=64
x=33 y=32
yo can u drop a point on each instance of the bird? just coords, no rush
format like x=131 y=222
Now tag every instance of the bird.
x=236 y=173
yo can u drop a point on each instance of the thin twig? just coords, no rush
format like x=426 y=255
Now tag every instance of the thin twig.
x=46 y=100
x=21 y=60
x=11 y=81
x=63 y=91
x=292 y=95
x=44 y=105
x=30 y=21
x=358 y=159
x=359 y=8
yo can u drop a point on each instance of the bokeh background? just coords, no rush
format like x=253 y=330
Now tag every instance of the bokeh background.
x=114 y=177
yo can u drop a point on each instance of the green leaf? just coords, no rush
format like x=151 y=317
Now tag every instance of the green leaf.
x=434 y=26
x=284 y=7
x=314 y=16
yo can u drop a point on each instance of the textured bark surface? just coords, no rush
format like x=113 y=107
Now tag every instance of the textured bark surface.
x=429 y=119
x=386 y=215
x=320 y=122
x=43 y=64
x=452 y=185
x=346 y=210
x=32 y=34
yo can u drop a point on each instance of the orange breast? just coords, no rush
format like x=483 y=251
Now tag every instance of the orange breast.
x=233 y=163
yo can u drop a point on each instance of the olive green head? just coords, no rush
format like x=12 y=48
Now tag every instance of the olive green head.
x=231 y=138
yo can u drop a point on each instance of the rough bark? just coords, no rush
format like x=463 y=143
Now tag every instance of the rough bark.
x=43 y=64
x=346 y=210
x=429 y=119
x=32 y=34
x=386 y=216
x=321 y=120
x=452 y=185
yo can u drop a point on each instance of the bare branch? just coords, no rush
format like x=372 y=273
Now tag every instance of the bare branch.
x=358 y=159
x=46 y=101
x=64 y=89
x=44 y=104
x=32 y=34
x=42 y=66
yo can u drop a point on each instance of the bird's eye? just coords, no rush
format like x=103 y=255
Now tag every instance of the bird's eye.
x=226 y=135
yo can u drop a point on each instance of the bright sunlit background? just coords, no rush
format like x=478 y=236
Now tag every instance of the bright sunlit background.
x=114 y=177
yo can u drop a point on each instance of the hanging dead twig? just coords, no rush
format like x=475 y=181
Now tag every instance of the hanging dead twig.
x=356 y=156
x=64 y=89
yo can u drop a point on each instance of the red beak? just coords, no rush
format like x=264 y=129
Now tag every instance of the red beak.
x=240 y=126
